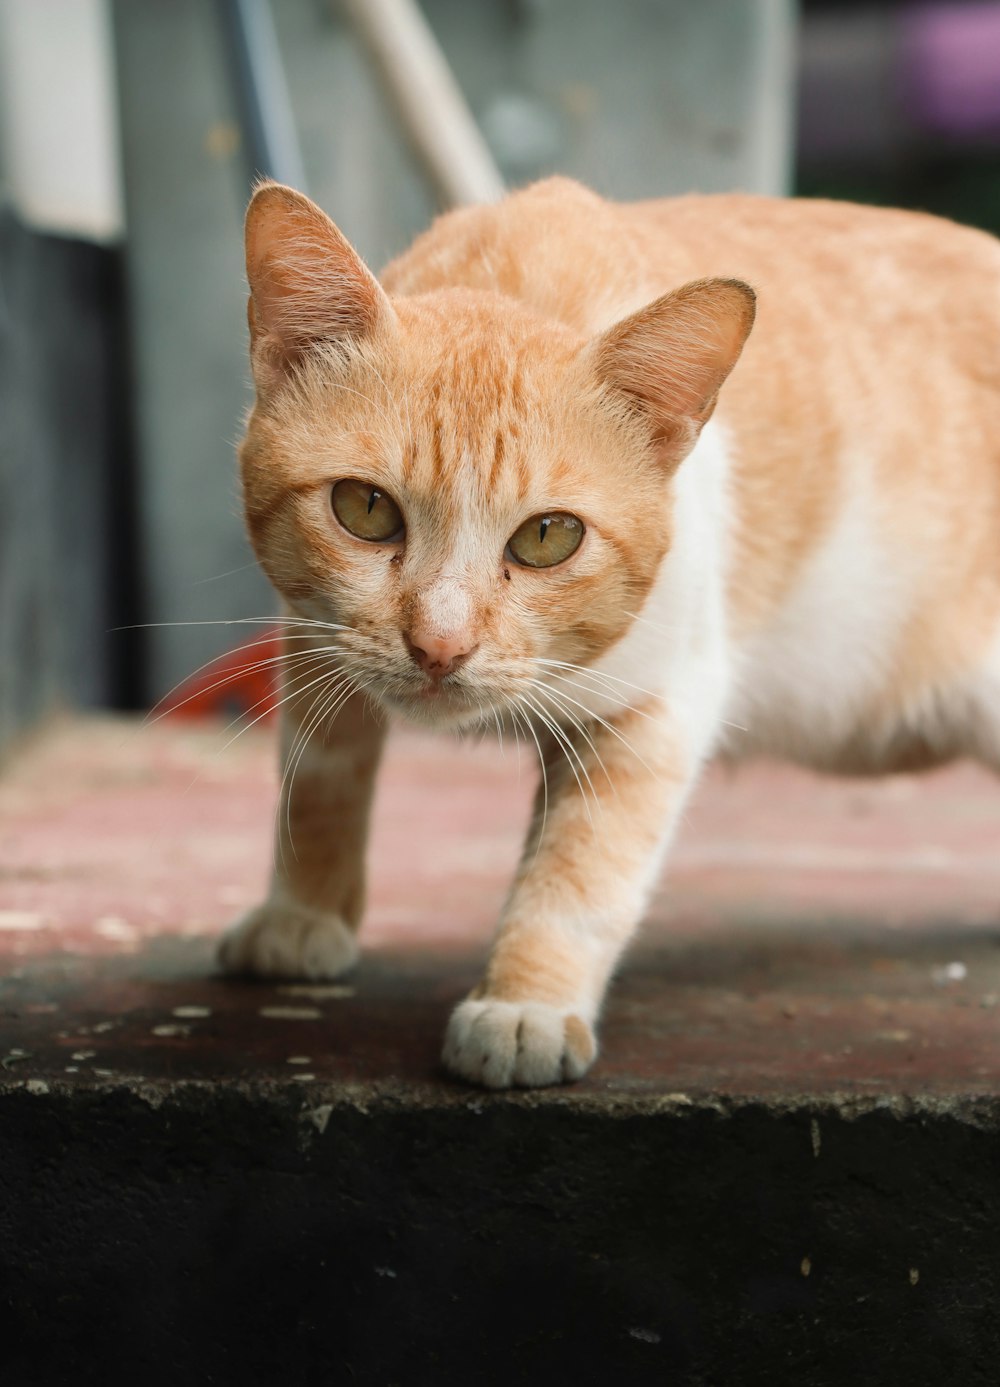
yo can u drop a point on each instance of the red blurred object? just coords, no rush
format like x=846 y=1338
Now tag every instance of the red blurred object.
x=243 y=681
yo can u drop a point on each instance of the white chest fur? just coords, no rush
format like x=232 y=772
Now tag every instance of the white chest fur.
x=801 y=687
x=676 y=645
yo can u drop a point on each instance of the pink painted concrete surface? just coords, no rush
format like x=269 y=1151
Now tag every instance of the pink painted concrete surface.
x=812 y=936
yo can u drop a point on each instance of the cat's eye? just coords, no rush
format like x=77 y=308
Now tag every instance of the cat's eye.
x=366 y=511
x=545 y=540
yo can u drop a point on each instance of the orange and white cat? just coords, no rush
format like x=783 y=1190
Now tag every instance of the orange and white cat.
x=516 y=484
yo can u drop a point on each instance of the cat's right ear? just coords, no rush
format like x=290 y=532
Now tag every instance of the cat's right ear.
x=307 y=284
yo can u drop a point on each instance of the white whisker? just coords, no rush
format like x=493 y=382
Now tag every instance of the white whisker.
x=559 y=701
x=276 y=621
x=286 y=698
x=521 y=713
x=216 y=577
x=257 y=666
x=149 y=719
x=283 y=796
x=623 y=702
x=601 y=675
x=267 y=711
x=341 y=688
x=614 y=731
x=566 y=746
x=496 y=719
x=656 y=625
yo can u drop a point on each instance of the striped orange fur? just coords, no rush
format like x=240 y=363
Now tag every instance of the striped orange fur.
x=789 y=502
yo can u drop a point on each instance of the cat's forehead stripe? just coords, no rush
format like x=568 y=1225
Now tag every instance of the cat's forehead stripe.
x=499 y=452
x=473 y=410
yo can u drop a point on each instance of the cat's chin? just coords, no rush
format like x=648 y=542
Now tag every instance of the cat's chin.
x=445 y=714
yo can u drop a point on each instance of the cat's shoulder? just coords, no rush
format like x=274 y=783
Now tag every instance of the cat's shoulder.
x=485 y=244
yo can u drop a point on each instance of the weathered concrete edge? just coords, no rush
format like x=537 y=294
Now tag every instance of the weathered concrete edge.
x=980 y=1111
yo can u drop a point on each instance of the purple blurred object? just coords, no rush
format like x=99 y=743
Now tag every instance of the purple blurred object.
x=951 y=67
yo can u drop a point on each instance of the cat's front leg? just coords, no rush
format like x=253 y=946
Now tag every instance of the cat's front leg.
x=307 y=926
x=597 y=834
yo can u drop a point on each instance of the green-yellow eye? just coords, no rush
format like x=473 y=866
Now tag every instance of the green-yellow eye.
x=545 y=540
x=366 y=511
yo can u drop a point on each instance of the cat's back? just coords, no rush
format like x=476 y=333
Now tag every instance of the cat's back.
x=775 y=236
x=564 y=250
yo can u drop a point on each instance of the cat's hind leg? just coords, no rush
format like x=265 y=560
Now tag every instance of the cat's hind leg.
x=307 y=927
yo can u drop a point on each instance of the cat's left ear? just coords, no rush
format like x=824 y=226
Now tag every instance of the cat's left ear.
x=307 y=283
x=671 y=358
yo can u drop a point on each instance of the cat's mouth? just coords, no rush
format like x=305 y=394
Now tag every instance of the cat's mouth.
x=440 y=703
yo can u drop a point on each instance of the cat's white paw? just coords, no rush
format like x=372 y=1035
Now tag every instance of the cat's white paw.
x=528 y=1044
x=283 y=940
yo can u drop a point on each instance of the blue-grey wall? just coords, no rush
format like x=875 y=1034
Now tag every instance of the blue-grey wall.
x=65 y=535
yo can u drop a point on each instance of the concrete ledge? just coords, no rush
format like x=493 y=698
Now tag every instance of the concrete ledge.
x=784 y=1167
x=220 y=1236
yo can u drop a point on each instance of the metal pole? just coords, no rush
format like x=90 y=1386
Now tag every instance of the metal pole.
x=265 y=109
x=434 y=113
x=768 y=129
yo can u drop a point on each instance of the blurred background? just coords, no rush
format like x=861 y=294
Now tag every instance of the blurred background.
x=130 y=131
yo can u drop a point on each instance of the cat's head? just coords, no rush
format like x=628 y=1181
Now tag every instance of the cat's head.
x=468 y=490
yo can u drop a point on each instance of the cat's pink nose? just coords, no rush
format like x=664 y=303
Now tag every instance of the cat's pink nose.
x=439 y=655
